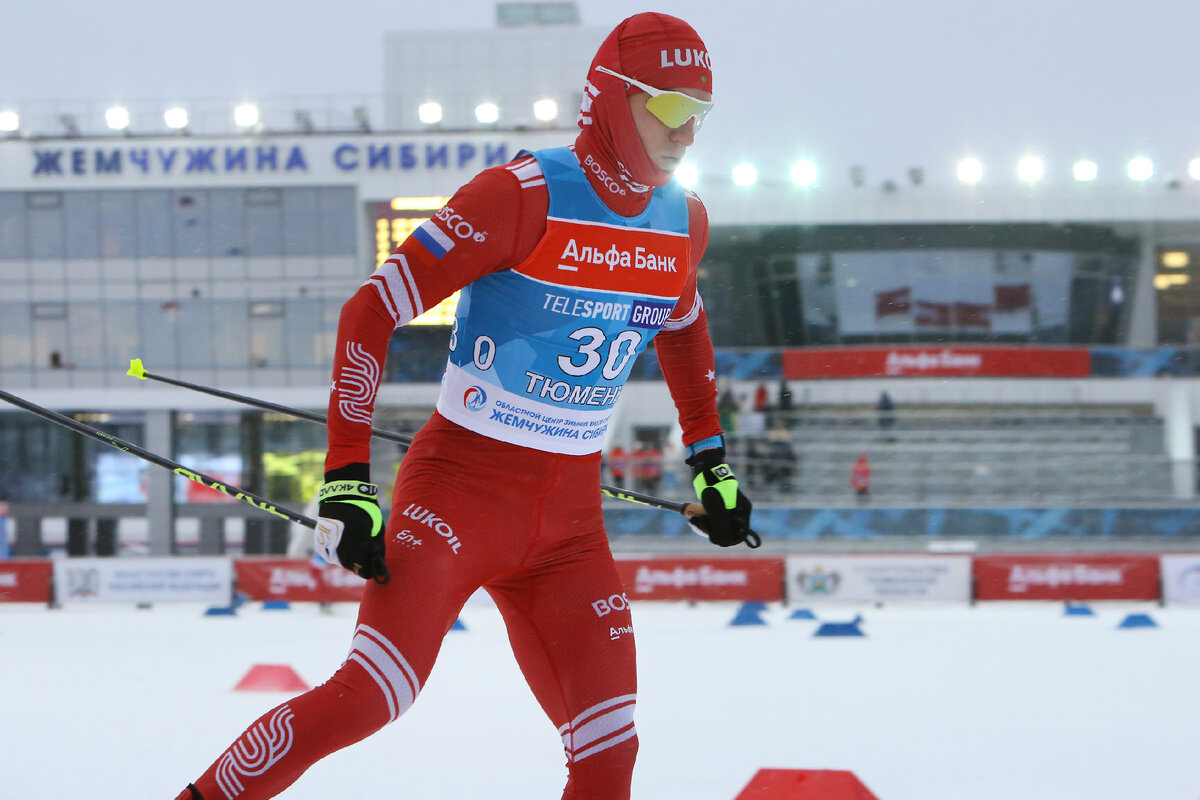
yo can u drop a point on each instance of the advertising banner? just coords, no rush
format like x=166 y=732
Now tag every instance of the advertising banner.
x=25 y=581
x=937 y=362
x=757 y=579
x=296 y=580
x=878 y=578
x=1180 y=578
x=191 y=579
x=1067 y=577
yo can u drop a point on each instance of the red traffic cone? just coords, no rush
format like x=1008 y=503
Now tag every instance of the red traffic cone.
x=271 y=678
x=805 y=784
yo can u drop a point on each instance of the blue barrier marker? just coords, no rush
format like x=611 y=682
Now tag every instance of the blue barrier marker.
x=458 y=625
x=1138 y=621
x=841 y=628
x=220 y=611
x=750 y=614
x=1079 y=610
x=802 y=613
x=276 y=605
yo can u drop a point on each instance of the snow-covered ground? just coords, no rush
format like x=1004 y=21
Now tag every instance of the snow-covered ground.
x=994 y=702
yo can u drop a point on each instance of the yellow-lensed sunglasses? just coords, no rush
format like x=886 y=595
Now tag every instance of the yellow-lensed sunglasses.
x=673 y=109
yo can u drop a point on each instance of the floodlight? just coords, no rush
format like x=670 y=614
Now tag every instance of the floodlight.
x=970 y=170
x=1084 y=170
x=545 y=109
x=487 y=113
x=117 y=118
x=804 y=173
x=246 y=115
x=10 y=121
x=687 y=175
x=429 y=113
x=176 y=118
x=745 y=174
x=1030 y=169
x=1140 y=168
x=1194 y=169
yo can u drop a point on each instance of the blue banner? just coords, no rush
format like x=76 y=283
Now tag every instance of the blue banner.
x=933 y=523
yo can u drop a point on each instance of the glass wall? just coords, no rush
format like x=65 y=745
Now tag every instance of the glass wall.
x=162 y=223
x=183 y=278
x=271 y=454
x=829 y=285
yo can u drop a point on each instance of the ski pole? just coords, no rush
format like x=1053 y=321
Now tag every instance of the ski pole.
x=191 y=474
x=137 y=370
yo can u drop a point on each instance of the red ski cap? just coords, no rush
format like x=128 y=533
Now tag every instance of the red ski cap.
x=663 y=51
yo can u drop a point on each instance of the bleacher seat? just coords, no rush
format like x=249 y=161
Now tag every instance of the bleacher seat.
x=973 y=454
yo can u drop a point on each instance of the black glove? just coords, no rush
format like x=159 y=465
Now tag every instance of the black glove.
x=350 y=525
x=726 y=517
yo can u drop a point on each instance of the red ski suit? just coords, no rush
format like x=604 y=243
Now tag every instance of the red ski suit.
x=471 y=511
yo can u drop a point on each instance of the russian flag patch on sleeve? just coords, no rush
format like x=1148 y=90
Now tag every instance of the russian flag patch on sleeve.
x=433 y=238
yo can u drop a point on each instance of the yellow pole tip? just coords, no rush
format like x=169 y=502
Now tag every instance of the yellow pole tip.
x=136 y=369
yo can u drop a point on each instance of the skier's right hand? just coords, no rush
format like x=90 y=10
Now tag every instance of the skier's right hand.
x=349 y=528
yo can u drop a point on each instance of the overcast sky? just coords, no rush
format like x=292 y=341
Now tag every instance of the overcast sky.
x=881 y=83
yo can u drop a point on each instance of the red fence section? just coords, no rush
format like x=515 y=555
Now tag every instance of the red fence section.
x=295 y=579
x=1063 y=576
x=929 y=362
x=24 y=581
x=1066 y=577
x=757 y=579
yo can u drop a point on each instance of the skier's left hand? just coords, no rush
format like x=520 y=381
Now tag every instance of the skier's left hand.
x=726 y=517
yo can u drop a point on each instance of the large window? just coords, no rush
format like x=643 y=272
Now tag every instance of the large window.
x=117 y=224
x=1177 y=285
x=47 y=232
x=792 y=287
x=14 y=225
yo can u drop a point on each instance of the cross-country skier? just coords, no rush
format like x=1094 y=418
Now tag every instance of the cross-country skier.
x=570 y=261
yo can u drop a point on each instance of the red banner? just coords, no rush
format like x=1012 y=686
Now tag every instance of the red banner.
x=759 y=579
x=296 y=580
x=897 y=301
x=1013 y=297
x=25 y=581
x=920 y=362
x=1066 y=577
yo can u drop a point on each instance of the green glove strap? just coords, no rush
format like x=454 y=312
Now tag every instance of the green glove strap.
x=725 y=484
x=349 y=492
x=359 y=488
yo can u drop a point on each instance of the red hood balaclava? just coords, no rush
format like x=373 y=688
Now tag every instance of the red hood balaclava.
x=658 y=50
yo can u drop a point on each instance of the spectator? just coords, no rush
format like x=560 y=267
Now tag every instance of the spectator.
x=647 y=468
x=781 y=459
x=887 y=415
x=762 y=398
x=860 y=476
x=727 y=410
x=785 y=395
x=618 y=465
